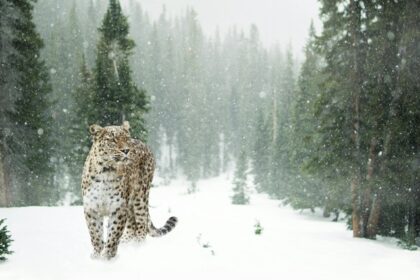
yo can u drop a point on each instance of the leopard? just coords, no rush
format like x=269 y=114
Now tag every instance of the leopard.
x=116 y=181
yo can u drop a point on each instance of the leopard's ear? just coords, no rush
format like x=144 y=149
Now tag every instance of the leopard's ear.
x=94 y=129
x=126 y=125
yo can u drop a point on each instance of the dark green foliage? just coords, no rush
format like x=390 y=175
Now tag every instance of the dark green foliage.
x=280 y=174
x=108 y=95
x=212 y=97
x=8 y=95
x=310 y=191
x=5 y=241
x=31 y=139
x=355 y=142
x=116 y=97
x=258 y=229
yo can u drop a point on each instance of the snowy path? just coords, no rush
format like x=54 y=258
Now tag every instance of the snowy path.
x=52 y=243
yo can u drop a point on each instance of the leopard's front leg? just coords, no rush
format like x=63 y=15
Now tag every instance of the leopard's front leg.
x=95 y=226
x=130 y=227
x=116 y=225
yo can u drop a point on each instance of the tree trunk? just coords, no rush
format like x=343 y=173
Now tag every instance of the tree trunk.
x=375 y=213
x=371 y=208
x=5 y=182
x=365 y=209
x=275 y=124
x=357 y=72
x=327 y=212
x=356 y=209
x=372 y=159
x=3 y=202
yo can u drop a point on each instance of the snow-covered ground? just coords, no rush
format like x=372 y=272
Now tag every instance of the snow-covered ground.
x=213 y=240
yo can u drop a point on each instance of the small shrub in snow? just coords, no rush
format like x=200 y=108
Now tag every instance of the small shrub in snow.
x=205 y=245
x=258 y=228
x=5 y=241
x=406 y=245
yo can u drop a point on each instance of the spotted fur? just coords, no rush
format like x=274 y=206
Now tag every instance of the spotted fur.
x=116 y=182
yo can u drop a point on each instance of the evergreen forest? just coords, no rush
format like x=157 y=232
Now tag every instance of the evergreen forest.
x=336 y=130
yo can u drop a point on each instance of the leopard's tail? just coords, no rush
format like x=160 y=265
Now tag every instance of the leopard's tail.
x=169 y=225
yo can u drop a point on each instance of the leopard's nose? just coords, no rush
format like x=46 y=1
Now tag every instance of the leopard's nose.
x=126 y=151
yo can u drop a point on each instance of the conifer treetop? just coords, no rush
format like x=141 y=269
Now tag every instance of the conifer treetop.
x=115 y=26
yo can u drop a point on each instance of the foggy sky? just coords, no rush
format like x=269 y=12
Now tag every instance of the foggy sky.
x=281 y=21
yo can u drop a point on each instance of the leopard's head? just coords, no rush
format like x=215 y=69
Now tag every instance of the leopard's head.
x=111 y=142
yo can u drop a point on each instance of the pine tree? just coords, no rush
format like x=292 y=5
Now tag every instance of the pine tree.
x=240 y=195
x=116 y=97
x=281 y=165
x=5 y=241
x=65 y=82
x=81 y=118
x=91 y=33
x=31 y=115
x=83 y=108
x=361 y=146
x=394 y=76
x=261 y=158
x=307 y=190
x=8 y=94
x=170 y=101
x=155 y=82
x=191 y=139
x=382 y=56
x=340 y=142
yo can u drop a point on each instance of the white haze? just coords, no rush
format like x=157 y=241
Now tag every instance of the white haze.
x=279 y=21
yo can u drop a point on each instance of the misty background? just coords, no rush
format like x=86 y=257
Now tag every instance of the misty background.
x=313 y=102
x=279 y=21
